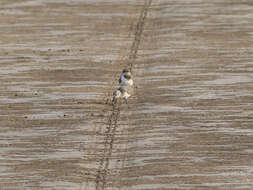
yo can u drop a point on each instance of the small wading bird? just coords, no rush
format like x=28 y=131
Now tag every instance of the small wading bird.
x=126 y=78
x=123 y=92
x=126 y=86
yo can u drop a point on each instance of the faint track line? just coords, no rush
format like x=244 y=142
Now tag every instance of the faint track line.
x=138 y=33
x=108 y=146
x=113 y=118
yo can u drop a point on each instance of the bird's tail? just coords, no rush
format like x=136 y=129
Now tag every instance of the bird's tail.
x=116 y=94
x=114 y=100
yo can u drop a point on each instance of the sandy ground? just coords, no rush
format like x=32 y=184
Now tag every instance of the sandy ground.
x=188 y=125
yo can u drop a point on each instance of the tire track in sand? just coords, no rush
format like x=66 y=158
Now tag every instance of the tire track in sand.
x=101 y=177
x=138 y=33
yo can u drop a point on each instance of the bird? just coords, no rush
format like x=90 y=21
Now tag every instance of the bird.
x=123 y=92
x=126 y=78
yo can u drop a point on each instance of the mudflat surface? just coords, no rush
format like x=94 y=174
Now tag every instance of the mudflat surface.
x=188 y=126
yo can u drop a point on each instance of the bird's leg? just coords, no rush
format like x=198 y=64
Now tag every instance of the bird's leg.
x=126 y=101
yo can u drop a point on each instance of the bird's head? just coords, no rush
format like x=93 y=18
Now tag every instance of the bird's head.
x=127 y=74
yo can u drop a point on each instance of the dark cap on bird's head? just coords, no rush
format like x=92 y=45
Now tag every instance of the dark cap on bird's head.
x=125 y=71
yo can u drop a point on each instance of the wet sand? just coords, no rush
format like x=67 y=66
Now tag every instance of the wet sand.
x=187 y=127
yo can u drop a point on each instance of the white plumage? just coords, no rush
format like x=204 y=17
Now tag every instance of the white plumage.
x=126 y=78
x=126 y=86
x=123 y=92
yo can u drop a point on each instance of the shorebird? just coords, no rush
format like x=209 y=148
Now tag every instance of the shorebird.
x=123 y=92
x=126 y=78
